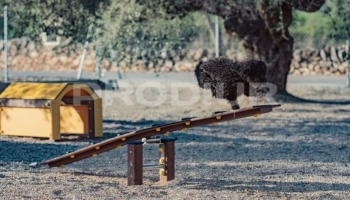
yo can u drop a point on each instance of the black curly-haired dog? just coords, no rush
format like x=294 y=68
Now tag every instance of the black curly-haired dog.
x=228 y=79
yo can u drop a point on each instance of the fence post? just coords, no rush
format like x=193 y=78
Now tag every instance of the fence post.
x=217 y=37
x=115 y=59
x=348 y=30
x=5 y=46
x=349 y=57
x=99 y=58
x=88 y=38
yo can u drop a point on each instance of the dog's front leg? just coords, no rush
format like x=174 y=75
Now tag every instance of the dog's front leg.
x=234 y=105
x=232 y=98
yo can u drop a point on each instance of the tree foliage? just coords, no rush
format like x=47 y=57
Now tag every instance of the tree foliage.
x=131 y=29
x=68 y=19
x=339 y=19
x=123 y=25
x=329 y=24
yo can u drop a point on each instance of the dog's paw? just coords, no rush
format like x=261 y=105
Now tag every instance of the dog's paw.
x=235 y=107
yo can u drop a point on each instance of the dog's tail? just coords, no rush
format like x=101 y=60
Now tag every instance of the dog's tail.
x=201 y=76
x=198 y=71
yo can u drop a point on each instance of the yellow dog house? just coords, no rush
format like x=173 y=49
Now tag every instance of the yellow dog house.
x=47 y=110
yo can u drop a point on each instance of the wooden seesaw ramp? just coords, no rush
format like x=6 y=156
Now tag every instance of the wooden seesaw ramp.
x=118 y=142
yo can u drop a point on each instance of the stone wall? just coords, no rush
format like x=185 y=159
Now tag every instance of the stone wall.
x=25 y=55
x=326 y=61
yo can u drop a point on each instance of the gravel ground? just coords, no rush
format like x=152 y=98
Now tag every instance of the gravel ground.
x=299 y=151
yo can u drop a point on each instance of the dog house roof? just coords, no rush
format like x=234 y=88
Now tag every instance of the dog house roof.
x=49 y=91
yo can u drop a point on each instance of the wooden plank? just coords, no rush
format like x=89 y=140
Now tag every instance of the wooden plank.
x=169 y=156
x=91 y=115
x=157 y=130
x=135 y=163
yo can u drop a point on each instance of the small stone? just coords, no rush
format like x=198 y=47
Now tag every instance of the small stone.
x=33 y=164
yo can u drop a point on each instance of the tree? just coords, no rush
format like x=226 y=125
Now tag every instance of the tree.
x=339 y=13
x=328 y=25
x=128 y=28
x=261 y=26
x=65 y=18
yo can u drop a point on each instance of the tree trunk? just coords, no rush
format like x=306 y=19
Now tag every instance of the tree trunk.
x=279 y=65
x=267 y=38
x=277 y=73
x=276 y=54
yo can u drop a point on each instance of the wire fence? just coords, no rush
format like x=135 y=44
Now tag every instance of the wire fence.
x=304 y=42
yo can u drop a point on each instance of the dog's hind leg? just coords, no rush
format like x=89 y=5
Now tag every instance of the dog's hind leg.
x=232 y=98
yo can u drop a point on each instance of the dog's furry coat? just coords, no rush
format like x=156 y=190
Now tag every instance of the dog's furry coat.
x=226 y=78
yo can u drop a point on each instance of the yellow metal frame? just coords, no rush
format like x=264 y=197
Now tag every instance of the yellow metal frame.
x=54 y=93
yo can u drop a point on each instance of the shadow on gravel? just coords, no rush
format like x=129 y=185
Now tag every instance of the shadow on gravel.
x=124 y=126
x=114 y=128
x=26 y=152
x=266 y=186
x=139 y=123
x=31 y=152
x=245 y=150
x=305 y=140
x=299 y=140
x=274 y=139
x=290 y=98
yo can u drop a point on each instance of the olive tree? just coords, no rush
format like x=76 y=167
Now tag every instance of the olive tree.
x=261 y=26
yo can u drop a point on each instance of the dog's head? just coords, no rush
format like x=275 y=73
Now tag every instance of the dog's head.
x=254 y=72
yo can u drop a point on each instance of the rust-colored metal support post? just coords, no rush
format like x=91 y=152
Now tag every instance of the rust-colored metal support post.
x=169 y=157
x=135 y=163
